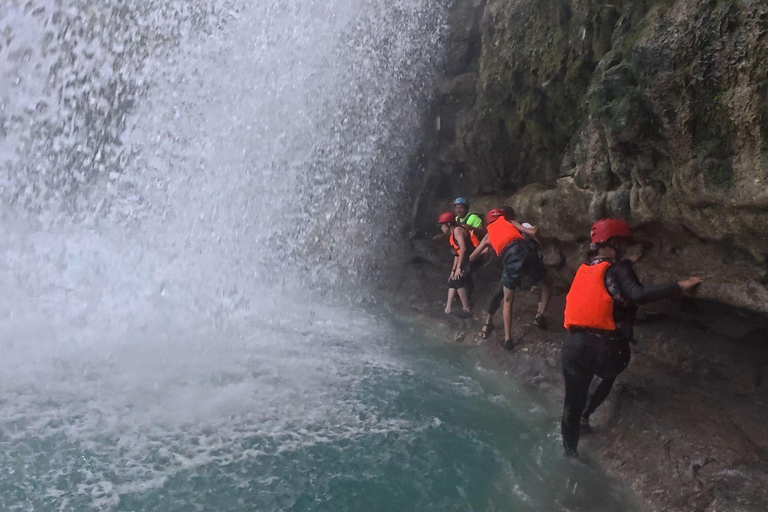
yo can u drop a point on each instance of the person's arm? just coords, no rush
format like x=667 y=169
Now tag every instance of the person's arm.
x=631 y=287
x=455 y=267
x=460 y=235
x=532 y=231
x=480 y=249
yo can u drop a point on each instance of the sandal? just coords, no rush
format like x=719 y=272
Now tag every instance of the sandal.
x=540 y=321
x=508 y=345
x=486 y=331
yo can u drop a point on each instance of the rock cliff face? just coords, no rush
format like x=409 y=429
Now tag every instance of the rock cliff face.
x=651 y=110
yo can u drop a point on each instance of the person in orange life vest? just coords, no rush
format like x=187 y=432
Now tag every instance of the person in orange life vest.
x=539 y=320
x=521 y=266
x=460 y=281
x=600 y=311
x=464 y=218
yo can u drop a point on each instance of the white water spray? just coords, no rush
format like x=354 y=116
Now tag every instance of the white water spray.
x=173 y=176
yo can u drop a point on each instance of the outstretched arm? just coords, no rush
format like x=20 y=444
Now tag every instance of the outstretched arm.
x=480 y=249
x=631 y=287
x=534 y=231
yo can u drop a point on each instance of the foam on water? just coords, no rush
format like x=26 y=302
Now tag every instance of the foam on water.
x=155 y=402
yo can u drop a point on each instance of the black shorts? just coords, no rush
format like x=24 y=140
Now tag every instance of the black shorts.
x=523 y=266
x=466 y=280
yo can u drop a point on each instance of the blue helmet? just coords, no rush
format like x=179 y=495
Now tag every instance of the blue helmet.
x=461 y=200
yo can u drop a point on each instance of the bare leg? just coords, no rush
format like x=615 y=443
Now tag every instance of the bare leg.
x=509 y=299
x=546 y=293
x=464 y=297
x=539 y=320
x=451 y=296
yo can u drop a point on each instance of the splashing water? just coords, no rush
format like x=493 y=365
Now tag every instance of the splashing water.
x=186 y=191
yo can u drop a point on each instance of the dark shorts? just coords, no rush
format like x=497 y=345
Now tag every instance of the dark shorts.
x=523 y=266
x=466 y=280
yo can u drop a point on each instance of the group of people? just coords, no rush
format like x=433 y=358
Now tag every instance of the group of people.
x=472 y=240
x=600 y=308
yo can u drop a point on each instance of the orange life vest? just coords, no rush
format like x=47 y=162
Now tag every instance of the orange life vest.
x=501 y=233
x=588 y=304
x=472 y=241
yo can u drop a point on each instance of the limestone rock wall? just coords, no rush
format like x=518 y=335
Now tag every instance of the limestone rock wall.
x=651 y=110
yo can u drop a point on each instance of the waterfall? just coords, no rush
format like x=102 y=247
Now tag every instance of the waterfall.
x=177 y=182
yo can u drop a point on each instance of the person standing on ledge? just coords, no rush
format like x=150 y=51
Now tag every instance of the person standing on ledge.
x=600 y=311
x=462 y=242
x=539 y=320
x=520 y=264
x=469 y=221
x=464 y=218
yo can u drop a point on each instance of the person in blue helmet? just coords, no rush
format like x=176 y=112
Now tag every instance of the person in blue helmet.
x=466 y=219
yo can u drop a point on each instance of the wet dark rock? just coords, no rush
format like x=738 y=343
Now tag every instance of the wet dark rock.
x=649 y=110
x=684 y=425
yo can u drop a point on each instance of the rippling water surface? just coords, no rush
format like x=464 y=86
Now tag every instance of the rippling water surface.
x=330 y=409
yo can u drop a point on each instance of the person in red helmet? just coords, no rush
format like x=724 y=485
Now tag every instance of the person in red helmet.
x=462 y=242
x=539 y=320
x=522 y=268
x=600 y=311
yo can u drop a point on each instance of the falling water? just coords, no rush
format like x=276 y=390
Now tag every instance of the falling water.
x=193 y=195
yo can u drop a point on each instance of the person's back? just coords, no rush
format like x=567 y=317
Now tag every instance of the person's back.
x=600 y=309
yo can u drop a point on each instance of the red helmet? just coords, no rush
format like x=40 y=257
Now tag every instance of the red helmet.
x=494 y=215
x=605 y=229
x=446 y=218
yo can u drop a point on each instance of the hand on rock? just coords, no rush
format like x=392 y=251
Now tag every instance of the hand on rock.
x=690 y=283
x=635 y=257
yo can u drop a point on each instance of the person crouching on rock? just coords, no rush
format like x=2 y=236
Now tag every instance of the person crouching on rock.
x=460 y=282
x=519 y=262
x=539 y=320
x=600 y=310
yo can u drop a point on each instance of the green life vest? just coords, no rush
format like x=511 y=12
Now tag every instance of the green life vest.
x=472 y=220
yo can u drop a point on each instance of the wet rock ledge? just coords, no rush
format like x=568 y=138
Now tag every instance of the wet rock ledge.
x=685 y=425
